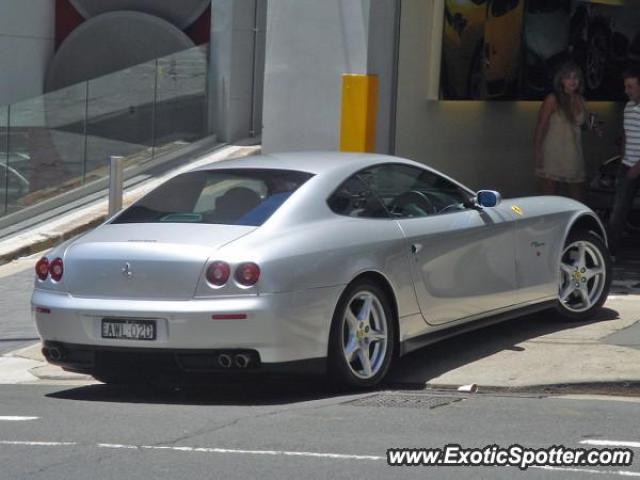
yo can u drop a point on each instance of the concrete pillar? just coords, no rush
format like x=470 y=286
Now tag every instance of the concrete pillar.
x=311 y=44
x=233 y=76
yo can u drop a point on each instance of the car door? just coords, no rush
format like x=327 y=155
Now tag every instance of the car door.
x=462 y=258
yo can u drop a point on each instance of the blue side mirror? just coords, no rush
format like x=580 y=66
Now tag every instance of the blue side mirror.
x=488 y=198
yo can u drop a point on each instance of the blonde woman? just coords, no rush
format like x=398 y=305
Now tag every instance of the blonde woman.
x=558 y=139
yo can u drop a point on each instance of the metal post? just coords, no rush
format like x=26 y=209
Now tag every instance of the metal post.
x=116 y=179
x=6 y=170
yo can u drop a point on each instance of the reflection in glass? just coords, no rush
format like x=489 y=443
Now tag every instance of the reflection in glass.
x=181 y=98
x=45 y=150
x=63 y=140
x=120 y=112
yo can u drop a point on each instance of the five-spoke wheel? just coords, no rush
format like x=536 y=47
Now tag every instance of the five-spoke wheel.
x=362 y=336
x=585 y=276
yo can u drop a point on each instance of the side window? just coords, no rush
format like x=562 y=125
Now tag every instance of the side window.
x=409 y=192
x=355 y=199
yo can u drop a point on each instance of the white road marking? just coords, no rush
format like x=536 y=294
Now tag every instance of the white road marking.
x=621 y=473
x=38 y=444
x=246 y=452
x=16 y=419
x=611 y=443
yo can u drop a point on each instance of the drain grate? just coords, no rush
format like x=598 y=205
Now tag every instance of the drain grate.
x=403 y=401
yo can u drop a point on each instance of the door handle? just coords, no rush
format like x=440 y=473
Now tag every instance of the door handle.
x=415 y=248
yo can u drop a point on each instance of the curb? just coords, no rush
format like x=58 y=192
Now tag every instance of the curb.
x=49 y=240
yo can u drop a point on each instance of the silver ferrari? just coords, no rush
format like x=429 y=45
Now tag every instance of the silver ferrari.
x=308 y=262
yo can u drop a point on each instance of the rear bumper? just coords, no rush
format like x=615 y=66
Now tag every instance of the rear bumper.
x=280 y=328
x=161 y=363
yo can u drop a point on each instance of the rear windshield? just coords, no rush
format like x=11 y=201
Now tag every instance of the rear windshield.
x=229 y=197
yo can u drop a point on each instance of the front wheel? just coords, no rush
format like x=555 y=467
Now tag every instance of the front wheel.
x=585 y=276
x=363 y=336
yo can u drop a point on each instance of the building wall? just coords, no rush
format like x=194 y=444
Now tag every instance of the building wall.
x=26 y=45
x=310 y=45
x=483 y=144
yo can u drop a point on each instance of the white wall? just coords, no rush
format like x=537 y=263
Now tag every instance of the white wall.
x=310 y=45
x=482 y=144
x=26 y=45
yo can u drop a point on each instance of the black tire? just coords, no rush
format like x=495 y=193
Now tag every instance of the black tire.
x=582 y=291
x=347 y=373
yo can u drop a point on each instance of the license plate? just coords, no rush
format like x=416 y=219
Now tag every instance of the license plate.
x=128 y=329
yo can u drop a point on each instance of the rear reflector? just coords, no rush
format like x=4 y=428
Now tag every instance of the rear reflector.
x=229 y=316
x=42 y=310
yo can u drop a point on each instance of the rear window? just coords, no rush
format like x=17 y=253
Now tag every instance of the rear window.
x=229 y=197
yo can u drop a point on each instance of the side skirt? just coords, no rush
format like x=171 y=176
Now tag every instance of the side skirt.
x=420 y=341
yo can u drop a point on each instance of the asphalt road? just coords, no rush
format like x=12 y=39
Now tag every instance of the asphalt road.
x=289 y=431
x=16 y=284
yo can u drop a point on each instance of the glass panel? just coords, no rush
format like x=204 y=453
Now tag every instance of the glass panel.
x=62 y=140
x=46 y=146
x=181 y=105
x=120 y=118
x=4 y=132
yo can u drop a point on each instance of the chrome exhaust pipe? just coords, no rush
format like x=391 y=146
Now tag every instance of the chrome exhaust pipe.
x=242 y=360
x=224 y=360
x=54 y=354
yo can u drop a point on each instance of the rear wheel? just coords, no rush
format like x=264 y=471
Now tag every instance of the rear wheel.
x=585 y=276
x=363 y=336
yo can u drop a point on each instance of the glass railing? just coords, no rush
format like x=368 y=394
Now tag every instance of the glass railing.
x=60 y=141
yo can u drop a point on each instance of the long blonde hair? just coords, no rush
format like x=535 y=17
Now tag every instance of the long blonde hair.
x=563 y=99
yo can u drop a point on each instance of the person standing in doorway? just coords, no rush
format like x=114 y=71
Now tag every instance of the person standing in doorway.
x=628 y=177
x=558 y=139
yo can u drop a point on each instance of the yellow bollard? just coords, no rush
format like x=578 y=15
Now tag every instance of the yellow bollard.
x=358 y=115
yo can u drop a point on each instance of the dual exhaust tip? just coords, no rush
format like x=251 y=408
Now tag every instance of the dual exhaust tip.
x=239 y=360
x=225 y=360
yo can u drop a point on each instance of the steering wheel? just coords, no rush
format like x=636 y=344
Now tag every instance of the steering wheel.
x=415 y=198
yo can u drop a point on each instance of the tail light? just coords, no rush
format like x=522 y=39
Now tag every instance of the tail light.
x=218 y=273
x=247 y=274
x=56 y=269
x=42 y=268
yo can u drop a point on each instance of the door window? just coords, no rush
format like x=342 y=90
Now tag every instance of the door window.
x=408 y=192
x=355 y=199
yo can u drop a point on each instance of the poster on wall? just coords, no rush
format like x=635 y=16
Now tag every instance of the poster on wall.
x=510 y=49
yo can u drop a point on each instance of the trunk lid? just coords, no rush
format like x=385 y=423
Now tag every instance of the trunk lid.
x=144 y=261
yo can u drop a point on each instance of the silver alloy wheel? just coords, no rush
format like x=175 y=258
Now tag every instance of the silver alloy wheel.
x=582 y=276
x=364 y=334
